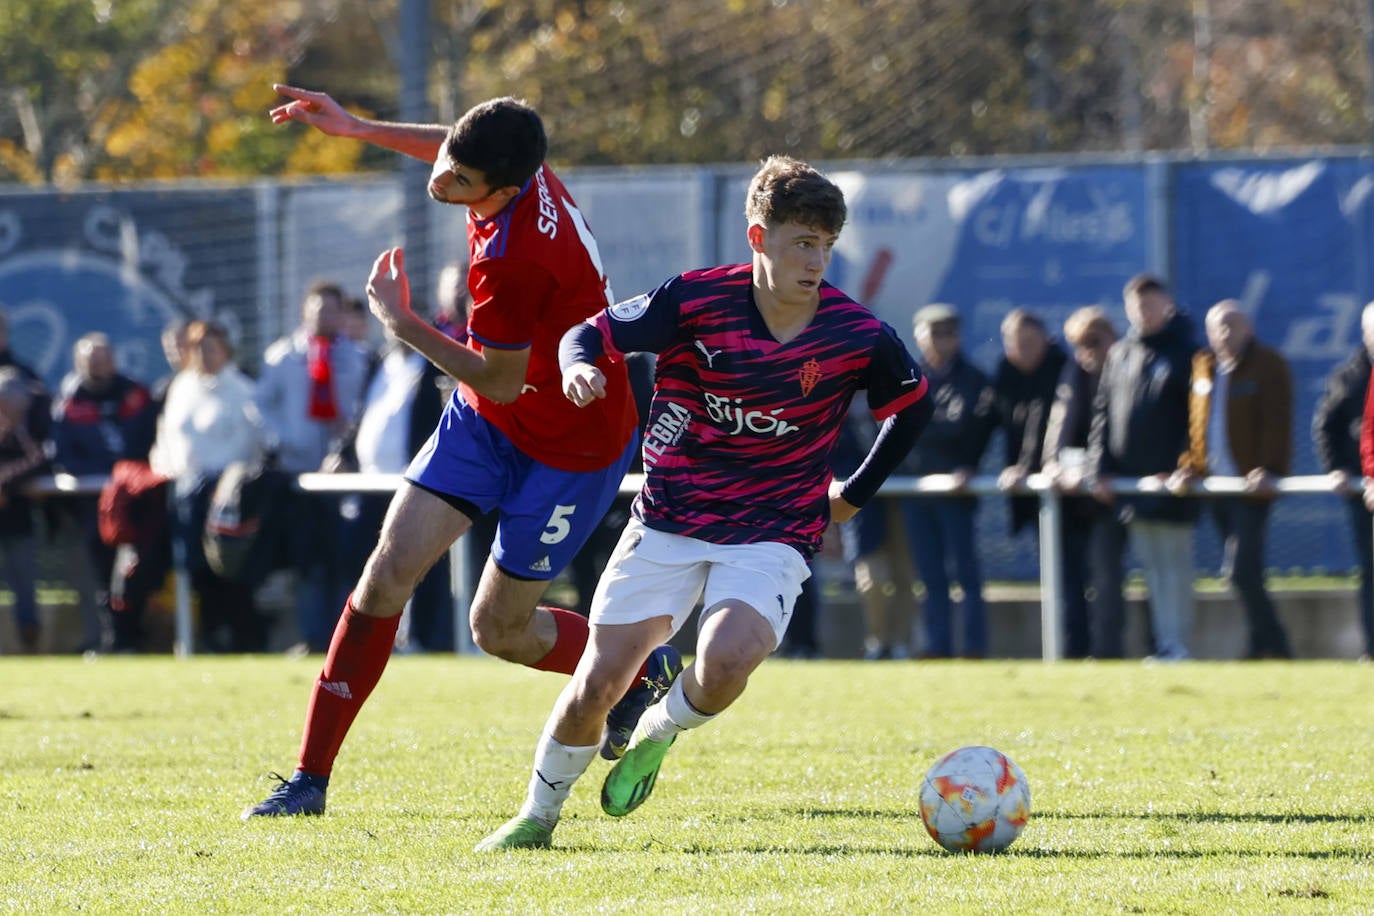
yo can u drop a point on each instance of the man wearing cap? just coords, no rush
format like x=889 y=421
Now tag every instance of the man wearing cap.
x=940 y=529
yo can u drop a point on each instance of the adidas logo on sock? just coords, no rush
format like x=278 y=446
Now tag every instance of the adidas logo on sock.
x=541 y=565
x=338 y=688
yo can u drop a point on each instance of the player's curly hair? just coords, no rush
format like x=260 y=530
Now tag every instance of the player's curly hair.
x=502 y=138
x=786 y=190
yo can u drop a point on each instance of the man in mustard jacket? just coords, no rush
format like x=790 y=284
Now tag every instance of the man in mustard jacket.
x=1240 y=424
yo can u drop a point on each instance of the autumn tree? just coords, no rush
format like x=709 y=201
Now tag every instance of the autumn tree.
x=154 y=88
x=162 y=88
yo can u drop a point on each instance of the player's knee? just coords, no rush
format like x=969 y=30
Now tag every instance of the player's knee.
x=493 y=640
x=727 y=672
x=496 y=634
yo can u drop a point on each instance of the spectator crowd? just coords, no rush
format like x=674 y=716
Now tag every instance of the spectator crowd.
x=1160 y=400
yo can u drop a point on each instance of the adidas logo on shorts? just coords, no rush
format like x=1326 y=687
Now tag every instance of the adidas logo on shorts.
x=541 y=565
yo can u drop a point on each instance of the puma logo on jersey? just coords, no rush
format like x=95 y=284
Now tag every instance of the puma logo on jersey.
x=709 y=354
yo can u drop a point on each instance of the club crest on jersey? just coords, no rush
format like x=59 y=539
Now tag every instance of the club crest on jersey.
x=809 y=375
x=630 y=309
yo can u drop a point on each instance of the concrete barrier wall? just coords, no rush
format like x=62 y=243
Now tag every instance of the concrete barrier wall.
x=1321 y=624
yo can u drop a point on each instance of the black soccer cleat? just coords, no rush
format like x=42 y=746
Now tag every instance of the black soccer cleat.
x=664 y=665
x=299 y=795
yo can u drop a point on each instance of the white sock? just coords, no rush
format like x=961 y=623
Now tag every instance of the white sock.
x=672 y=715
x=556 y=768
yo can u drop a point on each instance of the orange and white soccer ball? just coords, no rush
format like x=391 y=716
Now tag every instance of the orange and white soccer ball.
x=975 y=799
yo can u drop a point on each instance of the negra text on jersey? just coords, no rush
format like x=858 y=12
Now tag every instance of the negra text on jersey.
x=665 y=432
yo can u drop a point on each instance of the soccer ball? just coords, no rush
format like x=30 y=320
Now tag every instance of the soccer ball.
x=975 y=799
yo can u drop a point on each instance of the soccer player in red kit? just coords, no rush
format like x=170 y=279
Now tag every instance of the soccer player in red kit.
x=508 y=440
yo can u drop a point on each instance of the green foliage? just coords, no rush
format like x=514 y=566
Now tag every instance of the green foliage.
x=149 y=88
x=1194 y=788
x=67 y=65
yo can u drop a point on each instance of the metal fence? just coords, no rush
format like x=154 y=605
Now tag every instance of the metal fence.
x=1050 y=528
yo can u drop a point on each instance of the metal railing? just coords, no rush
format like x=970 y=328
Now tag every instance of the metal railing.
x=1051 y=527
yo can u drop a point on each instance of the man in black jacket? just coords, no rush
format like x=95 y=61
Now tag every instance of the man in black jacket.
x=1140 y=429
x=1336 y=437
x=100 y=416
x=941 y=529
x=1025 y=380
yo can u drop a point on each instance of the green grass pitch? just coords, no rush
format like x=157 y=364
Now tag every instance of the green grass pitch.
x=1195 y=788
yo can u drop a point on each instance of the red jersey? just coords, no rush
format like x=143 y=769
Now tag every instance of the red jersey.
x=535 y=273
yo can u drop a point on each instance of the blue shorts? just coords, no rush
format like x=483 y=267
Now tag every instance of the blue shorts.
x=545 y=515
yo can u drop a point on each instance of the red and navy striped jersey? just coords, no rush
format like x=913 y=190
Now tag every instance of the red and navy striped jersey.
x=535 y=272
x=738 y=445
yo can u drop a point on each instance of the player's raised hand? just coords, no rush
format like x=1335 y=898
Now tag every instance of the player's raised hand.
x=388 y=289
x=314 y=108
x=582 y=383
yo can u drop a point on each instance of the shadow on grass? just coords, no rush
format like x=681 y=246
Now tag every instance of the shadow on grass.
x=1188 y=817
x=1209 y=817
x=1019 y=850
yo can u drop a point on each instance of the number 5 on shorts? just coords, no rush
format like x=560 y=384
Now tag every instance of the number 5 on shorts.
x=558 y=525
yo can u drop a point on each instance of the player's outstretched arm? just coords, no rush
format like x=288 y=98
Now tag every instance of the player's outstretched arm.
x=320 y=111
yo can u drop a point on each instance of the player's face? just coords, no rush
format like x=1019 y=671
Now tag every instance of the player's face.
x=794 y=259
x=454 y=183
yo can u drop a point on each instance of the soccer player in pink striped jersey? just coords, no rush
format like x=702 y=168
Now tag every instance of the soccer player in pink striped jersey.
x=508 y=440
x=757 y=366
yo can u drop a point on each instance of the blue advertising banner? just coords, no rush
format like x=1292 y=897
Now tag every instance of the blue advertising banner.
x=1048 y=239
x=1293 y=240
x=124 y=263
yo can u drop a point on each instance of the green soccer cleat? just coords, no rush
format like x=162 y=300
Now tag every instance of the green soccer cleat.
x=632 y=778
x=518 y=833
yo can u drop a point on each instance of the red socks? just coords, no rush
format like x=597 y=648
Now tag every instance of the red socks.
x=358 y=654
x=573 y=632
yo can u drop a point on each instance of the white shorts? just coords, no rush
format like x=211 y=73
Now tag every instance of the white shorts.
x=653 y=574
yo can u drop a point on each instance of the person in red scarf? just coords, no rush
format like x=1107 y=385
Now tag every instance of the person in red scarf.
x=309 y=391
x=508 y=441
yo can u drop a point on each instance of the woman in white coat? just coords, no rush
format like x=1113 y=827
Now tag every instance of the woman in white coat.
x=209 y=421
